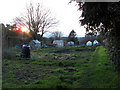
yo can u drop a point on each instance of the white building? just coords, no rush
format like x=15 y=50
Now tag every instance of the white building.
x=71 y=43
x=95 y=42
x=58 y=43
x=89 y=43
x=35 y=44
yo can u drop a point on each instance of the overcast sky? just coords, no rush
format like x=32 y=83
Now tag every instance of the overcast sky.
x=67 y=14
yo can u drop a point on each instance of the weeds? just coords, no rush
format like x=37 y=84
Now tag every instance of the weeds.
x=88 y=69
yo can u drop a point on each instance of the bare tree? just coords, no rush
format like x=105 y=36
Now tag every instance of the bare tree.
x=37 y=19
x=57 y=34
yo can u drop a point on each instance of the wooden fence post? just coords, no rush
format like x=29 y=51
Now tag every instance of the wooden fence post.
x=0 y=56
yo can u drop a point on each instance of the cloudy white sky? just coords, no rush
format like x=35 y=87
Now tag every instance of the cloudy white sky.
x=67 y=14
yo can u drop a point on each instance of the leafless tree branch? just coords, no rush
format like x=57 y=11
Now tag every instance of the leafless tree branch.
x=37 y=19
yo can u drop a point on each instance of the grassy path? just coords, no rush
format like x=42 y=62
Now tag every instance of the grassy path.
x=100 y=73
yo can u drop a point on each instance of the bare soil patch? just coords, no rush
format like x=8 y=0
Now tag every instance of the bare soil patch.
x=82 y=50
x=63 y=51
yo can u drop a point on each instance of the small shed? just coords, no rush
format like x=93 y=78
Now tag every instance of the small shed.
x=89 y=43
x=71 y=43
x=95 y=42
x=35 y=44
x=58 y=43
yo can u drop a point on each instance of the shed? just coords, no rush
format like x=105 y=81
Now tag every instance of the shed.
x=58 y=43
x=35 y=44
x=95 y=42
x=70 y=43
x=89 y=43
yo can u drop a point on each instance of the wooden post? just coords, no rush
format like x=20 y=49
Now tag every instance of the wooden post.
x=0 y=56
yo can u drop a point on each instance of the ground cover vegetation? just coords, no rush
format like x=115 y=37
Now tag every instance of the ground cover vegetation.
x=104 y=17
x=68 y=67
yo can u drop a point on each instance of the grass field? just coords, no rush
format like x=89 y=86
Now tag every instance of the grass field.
x=70 y=67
